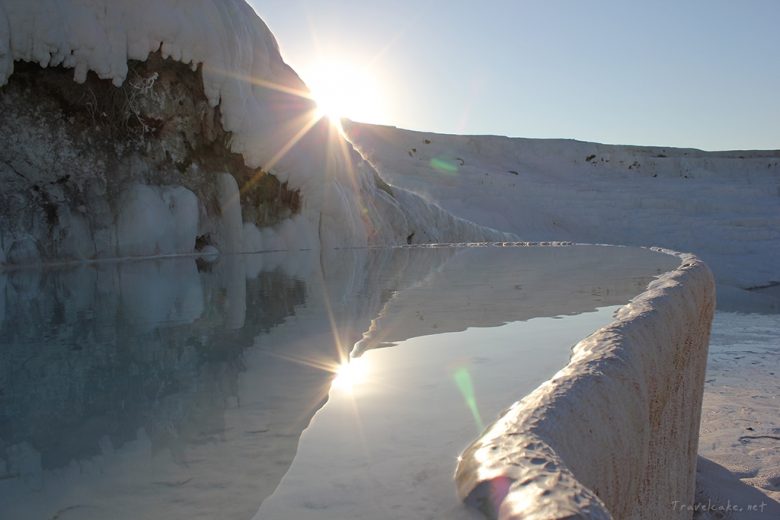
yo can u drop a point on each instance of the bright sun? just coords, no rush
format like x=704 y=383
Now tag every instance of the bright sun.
x=342 y=90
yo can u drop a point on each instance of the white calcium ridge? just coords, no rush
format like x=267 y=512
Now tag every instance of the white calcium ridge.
x=614 y=433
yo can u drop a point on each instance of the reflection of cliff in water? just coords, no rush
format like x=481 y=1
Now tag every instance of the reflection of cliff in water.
x=483 y=330
x=178 y=388
x=94 y=353
x=152 y=389
x=482 y=288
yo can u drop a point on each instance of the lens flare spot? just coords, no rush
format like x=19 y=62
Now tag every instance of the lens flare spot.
x=463 y=382
x=444 y=166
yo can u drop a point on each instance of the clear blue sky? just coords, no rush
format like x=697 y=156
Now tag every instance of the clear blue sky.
x=692 y=73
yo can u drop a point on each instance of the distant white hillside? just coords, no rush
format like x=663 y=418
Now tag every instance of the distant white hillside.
x=723 y=206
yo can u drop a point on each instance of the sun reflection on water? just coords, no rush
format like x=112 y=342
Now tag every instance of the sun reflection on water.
x=350 y=373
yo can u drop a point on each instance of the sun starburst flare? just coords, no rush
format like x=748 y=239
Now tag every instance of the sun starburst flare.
x=343 y=90
x=351 y=374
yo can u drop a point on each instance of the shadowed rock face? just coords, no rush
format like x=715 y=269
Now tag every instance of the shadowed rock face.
x=68 y=152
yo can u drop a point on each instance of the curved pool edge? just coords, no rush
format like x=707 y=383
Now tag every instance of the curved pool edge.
x=614 y=434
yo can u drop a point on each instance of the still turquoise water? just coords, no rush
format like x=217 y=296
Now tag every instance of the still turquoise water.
x=187 y=388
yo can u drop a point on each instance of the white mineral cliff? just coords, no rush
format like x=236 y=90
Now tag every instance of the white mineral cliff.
x=157 y=119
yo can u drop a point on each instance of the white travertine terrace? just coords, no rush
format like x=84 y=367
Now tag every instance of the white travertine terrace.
x=613 y=434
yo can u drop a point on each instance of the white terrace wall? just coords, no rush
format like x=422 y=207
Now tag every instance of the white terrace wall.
x=613 y=434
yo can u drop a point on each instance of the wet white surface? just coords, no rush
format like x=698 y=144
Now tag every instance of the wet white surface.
x=180 y=389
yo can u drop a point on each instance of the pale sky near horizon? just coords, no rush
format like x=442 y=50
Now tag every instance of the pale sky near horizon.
x=688 y=73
